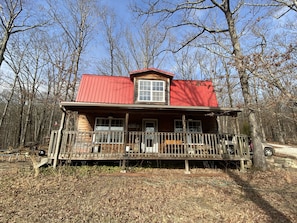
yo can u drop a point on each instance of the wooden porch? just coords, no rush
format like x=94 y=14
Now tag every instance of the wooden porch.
x=119 y=145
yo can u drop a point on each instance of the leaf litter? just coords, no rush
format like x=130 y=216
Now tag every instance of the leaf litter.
x=90 y=194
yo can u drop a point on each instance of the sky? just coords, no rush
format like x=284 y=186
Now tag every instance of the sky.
x=125 y=14
x=96 y=51
x=120 y=6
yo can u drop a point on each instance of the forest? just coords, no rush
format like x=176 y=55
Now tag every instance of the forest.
x=248 y=49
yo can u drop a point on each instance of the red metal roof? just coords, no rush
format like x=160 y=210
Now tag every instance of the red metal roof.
x=105 y=89
x=192 y=93
x=120 y=90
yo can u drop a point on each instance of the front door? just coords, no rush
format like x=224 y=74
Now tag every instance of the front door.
x=150 y=128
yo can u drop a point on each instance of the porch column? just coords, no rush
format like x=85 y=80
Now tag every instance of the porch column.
x=237 y=125
x=184 y=127
x=187 y=167
x=123 y=170
x=59 y=138
x=184 y=131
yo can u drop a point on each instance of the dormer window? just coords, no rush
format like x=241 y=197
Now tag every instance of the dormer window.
x=151 y=91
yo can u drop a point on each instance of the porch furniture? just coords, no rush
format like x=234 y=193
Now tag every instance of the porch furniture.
x=172 y=146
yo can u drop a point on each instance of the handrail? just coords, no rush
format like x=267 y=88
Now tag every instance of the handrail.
x=110 y=144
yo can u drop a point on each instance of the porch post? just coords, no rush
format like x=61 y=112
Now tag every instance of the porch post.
x=59 y=138
x=187 y=167
x=123 y=170
x=237 y=125
x=184 y=128
x=185 y=142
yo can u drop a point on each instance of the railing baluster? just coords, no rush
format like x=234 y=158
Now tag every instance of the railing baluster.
x=100 y=144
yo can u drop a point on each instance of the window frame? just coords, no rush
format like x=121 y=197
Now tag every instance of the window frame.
x=180 y=129
x=107 y=132
x=190 y=135
x=151 y=91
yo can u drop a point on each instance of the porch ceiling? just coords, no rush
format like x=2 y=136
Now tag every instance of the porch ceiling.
x=209 y=111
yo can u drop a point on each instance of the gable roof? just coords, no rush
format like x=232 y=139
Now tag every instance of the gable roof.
x=151 y=70
x=120 y=90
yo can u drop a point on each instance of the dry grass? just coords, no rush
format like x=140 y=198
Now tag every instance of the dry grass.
x=102 y=194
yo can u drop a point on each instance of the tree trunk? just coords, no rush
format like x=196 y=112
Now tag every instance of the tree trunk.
x=8 y=101
x=3 y=45
x=259 y=159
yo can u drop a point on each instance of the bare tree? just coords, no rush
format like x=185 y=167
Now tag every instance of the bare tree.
x=186 y=63
x=31 y=77
x=27 y=59
x=273 y=68
x=76 y=20
x=16 y=65
x=288 y=4
x=14 y=20
x=111 y=30
x=131 y=47
x=145 y=46
x=186 y=15
x=57 y=71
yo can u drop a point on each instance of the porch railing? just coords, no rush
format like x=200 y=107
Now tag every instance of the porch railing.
x=101 y=145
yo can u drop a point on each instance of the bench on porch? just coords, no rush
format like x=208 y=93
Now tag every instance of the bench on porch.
x=172 y=146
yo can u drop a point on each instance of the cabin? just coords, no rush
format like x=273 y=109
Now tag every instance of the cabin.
x=147 y=115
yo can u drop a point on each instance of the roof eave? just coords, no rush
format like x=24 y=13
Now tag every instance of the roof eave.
x=210 y=111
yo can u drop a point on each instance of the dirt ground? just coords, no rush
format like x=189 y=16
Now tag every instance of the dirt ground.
x=102 y=194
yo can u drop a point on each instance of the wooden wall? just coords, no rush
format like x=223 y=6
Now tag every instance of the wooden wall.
x=83 y=123
x=165 y=122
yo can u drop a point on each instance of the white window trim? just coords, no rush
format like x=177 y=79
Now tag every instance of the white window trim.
x=151 y=91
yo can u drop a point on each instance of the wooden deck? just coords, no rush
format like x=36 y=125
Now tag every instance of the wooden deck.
x=76 y=145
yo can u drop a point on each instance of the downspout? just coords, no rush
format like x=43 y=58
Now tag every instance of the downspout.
x=59 y=139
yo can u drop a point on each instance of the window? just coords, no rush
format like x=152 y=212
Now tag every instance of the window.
x=151 y=90
x=193 y=127
x=108 y=130
x=178 y=126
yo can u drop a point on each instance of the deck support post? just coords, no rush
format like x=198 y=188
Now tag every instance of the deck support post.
x=59 y=139
x=242 y=165
x=123 y=168
x=187 y=167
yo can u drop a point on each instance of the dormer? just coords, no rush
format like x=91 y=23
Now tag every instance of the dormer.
x=151 y=86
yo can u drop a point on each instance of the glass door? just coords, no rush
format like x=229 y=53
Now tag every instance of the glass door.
x=150 y=127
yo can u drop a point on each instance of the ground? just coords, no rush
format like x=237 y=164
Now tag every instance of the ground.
x=288 y=150
x=103 y=194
